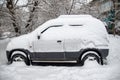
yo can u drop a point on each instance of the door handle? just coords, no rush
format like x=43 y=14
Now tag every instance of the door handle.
x=59 y=41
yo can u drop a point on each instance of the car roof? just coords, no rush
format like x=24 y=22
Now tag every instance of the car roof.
x=75 y=16
x=87 y=21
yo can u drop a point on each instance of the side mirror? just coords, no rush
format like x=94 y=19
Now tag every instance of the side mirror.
x=38 y=36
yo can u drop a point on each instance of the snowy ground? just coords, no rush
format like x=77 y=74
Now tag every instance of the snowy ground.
x=91 y=71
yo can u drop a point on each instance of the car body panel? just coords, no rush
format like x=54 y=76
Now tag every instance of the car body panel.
x=63 y=39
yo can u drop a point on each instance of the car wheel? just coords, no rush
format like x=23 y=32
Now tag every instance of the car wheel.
x=90 y=56
x=19 y=58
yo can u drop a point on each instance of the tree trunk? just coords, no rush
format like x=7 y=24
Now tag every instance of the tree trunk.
x=31 y=17
x=11 y=8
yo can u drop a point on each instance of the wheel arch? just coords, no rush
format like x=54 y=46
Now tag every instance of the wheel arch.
x=90 y=49
x=25 y=52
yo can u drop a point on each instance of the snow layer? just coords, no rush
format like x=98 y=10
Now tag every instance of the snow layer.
x=90 y=71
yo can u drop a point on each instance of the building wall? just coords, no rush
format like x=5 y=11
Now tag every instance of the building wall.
x=105 y=6
x=109 y=11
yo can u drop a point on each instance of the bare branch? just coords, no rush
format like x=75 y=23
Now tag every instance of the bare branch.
x=16 y=3
x=2 y=4
x=26 y=5
x=71 y=7
x=45 y=1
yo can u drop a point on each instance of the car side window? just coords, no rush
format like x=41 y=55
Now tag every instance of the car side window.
x=51 y=27
x=52 y=32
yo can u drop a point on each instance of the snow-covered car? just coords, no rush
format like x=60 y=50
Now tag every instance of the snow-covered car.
x=68 y=38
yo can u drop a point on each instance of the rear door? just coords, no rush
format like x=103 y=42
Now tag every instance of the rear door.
x=72 y=42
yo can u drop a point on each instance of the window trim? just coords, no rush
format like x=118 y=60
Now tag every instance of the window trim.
x=51 y=27
x=76 y=25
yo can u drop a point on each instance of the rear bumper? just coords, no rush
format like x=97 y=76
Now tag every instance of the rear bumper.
x=104 y=53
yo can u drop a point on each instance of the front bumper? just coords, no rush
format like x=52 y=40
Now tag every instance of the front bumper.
x=8 y=55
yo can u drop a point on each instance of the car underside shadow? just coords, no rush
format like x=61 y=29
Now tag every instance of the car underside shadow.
x=55 y=64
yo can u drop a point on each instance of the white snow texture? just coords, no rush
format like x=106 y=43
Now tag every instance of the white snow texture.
x=90 y=71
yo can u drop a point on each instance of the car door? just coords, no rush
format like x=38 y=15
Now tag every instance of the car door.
x=50 y=44
x=72 y=42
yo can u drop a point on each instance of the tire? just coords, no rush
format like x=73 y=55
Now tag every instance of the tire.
x=20 y=58
x=92 y=57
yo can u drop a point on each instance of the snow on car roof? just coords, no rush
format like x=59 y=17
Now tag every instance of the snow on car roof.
x=75 y=16
x=88 y=22
x=88 y=28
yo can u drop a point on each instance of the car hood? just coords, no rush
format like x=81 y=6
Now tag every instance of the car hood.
x=18 y=42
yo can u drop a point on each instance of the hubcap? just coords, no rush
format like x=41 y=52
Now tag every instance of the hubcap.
x=90 y=58
x=18 y=59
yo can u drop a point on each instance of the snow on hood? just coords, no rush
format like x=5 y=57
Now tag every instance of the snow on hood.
x=18 y=42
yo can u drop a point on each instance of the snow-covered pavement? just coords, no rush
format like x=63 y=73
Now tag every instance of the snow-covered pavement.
x=91 y=71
